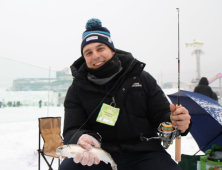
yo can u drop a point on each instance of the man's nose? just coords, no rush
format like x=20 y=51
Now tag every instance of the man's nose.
x=95 y=55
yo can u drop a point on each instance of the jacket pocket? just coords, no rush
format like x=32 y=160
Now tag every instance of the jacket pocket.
x=140 y=126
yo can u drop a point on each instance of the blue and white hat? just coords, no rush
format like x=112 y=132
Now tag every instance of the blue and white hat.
x=96 y=33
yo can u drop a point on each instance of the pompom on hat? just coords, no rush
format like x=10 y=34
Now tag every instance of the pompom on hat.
x=96 y=33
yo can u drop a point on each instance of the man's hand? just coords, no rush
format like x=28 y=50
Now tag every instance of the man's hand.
x=180 y=117
x=87 y=158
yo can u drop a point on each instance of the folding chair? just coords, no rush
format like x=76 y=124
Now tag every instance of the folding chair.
x=49 y=131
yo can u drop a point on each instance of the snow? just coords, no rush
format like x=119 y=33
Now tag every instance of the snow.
x=19 y=137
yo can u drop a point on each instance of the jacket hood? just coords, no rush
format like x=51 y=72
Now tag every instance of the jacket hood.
x=80 y=62
x=76 y=65
x=203 y=81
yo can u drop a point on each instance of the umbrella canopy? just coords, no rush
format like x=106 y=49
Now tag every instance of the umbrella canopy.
x=206 y=116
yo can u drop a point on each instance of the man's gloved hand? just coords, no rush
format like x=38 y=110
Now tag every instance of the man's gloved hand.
x=87 y=158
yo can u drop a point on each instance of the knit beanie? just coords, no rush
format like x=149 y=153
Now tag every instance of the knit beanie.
x=96 y=33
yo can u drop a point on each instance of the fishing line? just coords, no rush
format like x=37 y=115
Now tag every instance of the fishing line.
x=102 y=100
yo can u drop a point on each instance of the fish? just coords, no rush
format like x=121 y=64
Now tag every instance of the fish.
x=71 y=150
x=194 y=44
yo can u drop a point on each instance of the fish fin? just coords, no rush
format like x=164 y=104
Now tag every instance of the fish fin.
x=105 y=161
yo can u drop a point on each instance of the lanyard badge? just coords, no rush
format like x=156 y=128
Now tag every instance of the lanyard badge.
x=108 y=115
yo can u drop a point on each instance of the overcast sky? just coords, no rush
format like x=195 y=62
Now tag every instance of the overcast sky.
x=47 y=33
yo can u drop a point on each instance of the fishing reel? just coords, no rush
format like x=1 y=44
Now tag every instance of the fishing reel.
x=167 y=132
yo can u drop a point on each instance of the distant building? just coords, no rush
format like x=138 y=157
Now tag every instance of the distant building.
x=59 y=84
x=174 y=85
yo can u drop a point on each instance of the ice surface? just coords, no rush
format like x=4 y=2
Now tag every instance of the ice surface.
x=19 y=137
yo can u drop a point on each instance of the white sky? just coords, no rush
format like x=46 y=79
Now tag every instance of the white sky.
x=48 y=32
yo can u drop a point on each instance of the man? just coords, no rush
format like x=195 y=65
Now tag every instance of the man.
x=111 y=102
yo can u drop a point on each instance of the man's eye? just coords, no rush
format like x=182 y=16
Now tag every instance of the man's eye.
x=87 y=54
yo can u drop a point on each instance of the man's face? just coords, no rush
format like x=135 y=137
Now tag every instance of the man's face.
x=97 y=54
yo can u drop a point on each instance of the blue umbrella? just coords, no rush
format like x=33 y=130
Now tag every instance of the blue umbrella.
x=206 y=116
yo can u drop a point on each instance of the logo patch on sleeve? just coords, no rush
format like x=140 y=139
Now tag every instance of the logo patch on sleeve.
x=92 y=38
x=137 y=85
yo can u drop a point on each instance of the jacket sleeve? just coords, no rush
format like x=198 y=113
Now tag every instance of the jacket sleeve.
x=211 y=92
x=157 y=102
x=75 y=119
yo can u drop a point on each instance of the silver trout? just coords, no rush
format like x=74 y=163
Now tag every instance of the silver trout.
x=71 y=150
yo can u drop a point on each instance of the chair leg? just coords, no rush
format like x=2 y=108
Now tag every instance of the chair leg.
x=38 y=160
x=51 y=162
x=58 y=163
x=50 y=166
x=39 y=151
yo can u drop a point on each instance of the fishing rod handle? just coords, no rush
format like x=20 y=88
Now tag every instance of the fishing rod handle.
x=178 y=143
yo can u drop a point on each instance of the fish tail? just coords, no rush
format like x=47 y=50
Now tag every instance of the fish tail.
x=114 y=166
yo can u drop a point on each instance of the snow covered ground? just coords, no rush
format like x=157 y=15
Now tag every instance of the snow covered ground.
x=19 y=137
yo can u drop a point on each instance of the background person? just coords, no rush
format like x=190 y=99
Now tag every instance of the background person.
x=3 y=103
x=40 y=103
x=204 y=88
x=107 y=79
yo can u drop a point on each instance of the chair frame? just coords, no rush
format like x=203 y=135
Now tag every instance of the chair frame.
x=41 y=151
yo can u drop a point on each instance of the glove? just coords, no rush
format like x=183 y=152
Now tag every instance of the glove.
x=87 y=158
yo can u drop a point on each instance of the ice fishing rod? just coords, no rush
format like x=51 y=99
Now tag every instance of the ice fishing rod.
x=178 y=135
x=178 y=97
x=167 y=132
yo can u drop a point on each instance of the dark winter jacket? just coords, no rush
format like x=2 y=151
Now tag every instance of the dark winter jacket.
x=215 y=97
x=143 y=106
x=203 y=88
